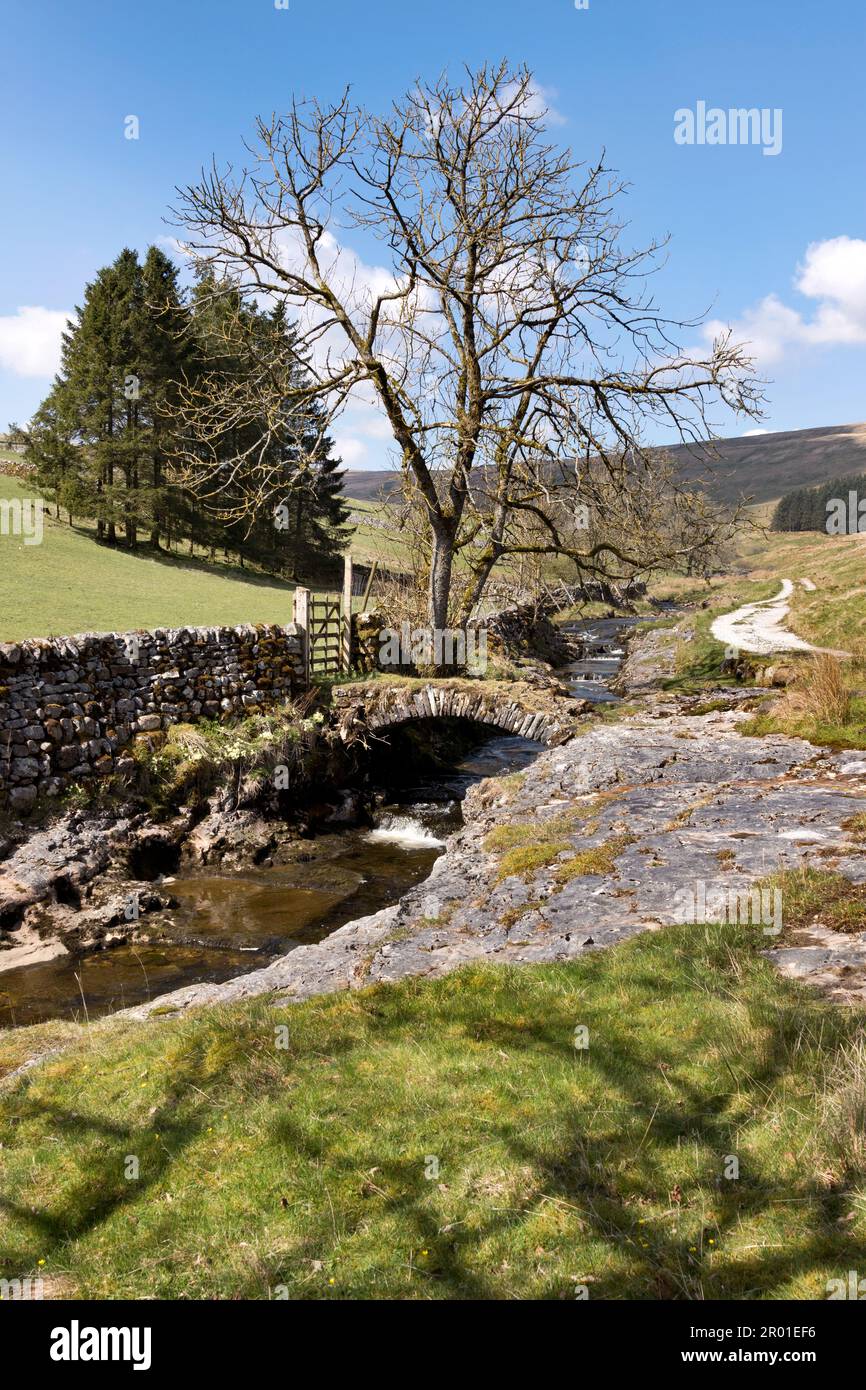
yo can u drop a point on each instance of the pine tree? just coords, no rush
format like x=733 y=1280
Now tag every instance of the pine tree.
x=85 y=394
x=107 y=435
x=806 y=508
x=77 y=439
x=782 y=514
x=128 y=323
x=167 y=356
x=56 y=457
x=313 y=506
x=298 y=529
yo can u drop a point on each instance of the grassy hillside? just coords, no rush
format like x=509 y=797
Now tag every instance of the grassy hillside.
x=832 y=614
x=71 y=584
x=313 y=1169
x=766 y=466
x=760 y=467
x=374 y=536
x=370 y=484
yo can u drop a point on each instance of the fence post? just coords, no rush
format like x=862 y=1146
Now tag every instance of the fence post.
x=370 y=577
x=346 y=644
x=301 y=616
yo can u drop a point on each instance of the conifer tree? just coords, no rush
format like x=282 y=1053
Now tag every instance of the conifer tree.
x=106 y=438
x=167 y=356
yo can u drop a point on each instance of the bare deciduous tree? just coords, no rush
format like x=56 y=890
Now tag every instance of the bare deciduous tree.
x=511 y=342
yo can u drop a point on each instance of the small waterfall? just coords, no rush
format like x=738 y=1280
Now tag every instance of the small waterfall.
x=406 y=831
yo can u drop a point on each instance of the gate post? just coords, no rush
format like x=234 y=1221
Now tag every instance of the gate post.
x=301 y=616
x=346 y=635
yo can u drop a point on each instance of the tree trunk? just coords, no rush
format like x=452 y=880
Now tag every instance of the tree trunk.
x=110 y=530
x=474 y=590
x=441 y=565
x=130 y=480
x=157 y=484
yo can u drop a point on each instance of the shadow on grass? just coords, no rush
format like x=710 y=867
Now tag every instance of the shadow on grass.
x=609 y=1176
x=629 y=1120
x=104 y=1188
x=198 y=564
x=667 y=1265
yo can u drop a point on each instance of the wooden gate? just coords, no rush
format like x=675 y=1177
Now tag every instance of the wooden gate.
x=325 y=624
x=325 y=635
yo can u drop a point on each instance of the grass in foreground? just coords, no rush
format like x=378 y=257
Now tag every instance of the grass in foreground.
x=781 y=718
x=446 y=1139
x=825 y=704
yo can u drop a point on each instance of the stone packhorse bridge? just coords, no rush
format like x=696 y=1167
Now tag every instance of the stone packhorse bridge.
x=511 y=707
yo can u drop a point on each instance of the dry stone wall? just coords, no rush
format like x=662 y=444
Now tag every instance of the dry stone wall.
x=71 y=706
x=525 y=629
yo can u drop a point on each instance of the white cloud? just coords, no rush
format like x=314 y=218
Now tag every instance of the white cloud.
x=352 y=451
x=356 y=282
x=833 y=274
x=30 y=340
x=365 y=439
x=538 y=102
x=750 y=434
x=374 y=425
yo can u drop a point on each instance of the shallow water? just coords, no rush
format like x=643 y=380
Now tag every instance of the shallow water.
x=225 y=924
x=602 y=639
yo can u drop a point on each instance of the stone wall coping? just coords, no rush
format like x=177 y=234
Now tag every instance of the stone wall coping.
x=37 y=648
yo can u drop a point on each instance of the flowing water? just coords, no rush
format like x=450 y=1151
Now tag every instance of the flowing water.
x=225 y=924
x=603 y=653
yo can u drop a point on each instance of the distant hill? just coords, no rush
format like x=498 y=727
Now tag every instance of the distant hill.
x=369 y=485
x=765 y=466
x=761 y=467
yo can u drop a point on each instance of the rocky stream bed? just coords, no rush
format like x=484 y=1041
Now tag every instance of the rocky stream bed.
x=621 y=824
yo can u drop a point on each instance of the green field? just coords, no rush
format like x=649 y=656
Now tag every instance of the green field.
x=448 y=1139
x=831 y=614
x=834 y=613
x=376 y=536
x=71 y=584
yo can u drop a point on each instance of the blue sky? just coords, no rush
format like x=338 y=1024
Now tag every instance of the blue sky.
x=775 y=245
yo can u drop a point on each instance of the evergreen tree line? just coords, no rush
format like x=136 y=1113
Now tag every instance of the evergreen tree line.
x=805 y=508
x=104 y=439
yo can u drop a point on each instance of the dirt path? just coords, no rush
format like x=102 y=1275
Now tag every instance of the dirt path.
x=760 y=627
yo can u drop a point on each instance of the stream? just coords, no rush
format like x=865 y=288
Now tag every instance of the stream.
x=226 y=924
x=603 y=653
